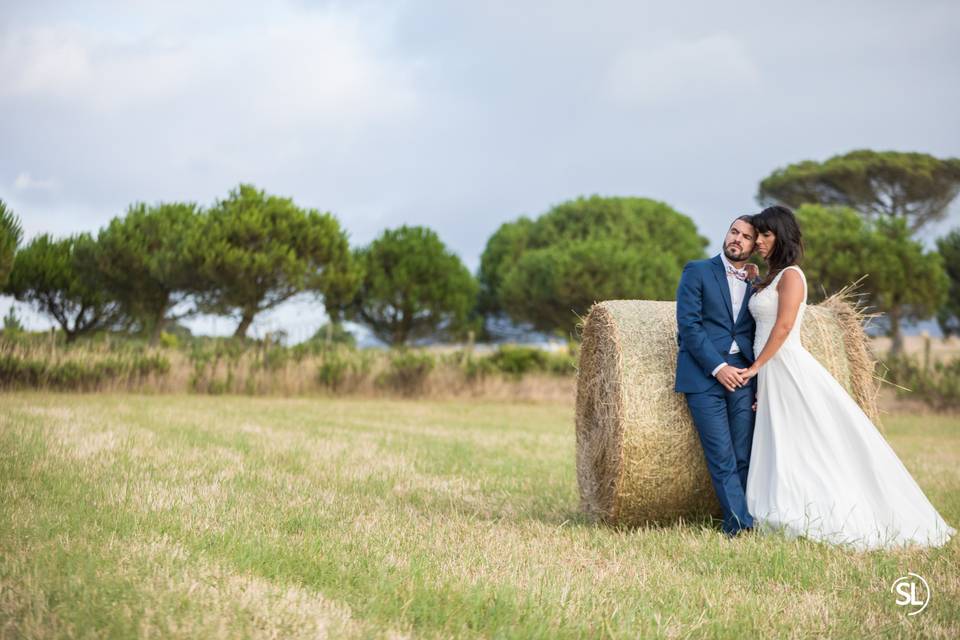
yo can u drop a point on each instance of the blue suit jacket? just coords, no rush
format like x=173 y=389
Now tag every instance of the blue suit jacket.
x=706 y=326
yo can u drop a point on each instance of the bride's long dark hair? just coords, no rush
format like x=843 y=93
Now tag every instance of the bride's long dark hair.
x=788 y=246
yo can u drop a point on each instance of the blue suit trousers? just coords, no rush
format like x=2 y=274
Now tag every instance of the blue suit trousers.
x=724 y=421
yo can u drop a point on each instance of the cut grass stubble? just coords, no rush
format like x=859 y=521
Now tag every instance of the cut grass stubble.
x=186 y=516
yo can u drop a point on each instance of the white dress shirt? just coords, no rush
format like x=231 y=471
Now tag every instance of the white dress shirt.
x=738 y=291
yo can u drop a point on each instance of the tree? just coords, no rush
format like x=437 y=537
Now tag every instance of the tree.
x=548 y=271
x=915 y=187
x=53 y=276
x=149 y=259
x=903 y=281
x=261 y=250
x=412 y=287
x=503 y=249
x=949 y=314
x=11 y=323
x=10 y=236
x=333 y=333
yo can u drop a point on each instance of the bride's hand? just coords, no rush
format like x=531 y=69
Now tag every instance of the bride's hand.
x=749 y=372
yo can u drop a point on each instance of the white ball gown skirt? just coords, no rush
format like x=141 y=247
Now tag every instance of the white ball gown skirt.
x=820 y=469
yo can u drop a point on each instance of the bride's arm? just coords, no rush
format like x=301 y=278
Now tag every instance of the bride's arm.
x=791 y=292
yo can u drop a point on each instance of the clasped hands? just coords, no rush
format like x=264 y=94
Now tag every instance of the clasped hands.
x=733 y=378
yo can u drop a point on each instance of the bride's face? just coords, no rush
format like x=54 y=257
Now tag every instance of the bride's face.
x=765 y=243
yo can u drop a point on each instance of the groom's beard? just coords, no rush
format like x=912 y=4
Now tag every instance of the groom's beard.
x=739 y=256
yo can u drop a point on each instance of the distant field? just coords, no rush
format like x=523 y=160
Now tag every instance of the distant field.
x=198 y=516
x=940 y=349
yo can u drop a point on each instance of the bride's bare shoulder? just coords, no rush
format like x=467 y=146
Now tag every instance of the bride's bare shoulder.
x=791 y=279
x=792 y=273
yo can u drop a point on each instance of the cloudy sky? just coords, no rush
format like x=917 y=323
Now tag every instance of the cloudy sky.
x=455 y=115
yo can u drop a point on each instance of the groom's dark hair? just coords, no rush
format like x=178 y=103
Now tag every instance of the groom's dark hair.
x=746 y=218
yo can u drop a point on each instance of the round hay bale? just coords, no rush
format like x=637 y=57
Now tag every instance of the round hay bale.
x=639 y=458
x=846 y=357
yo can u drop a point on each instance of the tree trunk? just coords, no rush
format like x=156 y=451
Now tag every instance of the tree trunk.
x=158 y=324
x=245 y=323
x=896 y=347
x=159 y=319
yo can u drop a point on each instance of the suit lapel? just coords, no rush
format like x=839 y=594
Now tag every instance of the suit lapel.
x=721 y=275
x=743 y=305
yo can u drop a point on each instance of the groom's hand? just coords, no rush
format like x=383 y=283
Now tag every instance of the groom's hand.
x=730 y=378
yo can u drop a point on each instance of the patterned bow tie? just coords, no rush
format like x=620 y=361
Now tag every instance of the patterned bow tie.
x=739 y=274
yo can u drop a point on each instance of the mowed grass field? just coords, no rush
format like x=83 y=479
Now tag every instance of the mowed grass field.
x=204 y=517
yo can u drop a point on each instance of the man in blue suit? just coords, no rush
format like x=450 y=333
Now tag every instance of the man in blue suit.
x=715 y=334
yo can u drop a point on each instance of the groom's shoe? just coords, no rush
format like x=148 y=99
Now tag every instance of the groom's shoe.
x=733 y=526
x=741 y=532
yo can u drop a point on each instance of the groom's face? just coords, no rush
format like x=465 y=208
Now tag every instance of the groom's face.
x=738 y=245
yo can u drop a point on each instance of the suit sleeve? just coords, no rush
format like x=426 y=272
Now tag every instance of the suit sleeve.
x=690 y=321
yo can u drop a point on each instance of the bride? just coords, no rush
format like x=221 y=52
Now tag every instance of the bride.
x=819 y=468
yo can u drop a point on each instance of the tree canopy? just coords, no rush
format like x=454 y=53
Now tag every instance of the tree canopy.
x=904 y=281
x=148 y=261
x=260 y=250
x=55 y=277
x=412 y=287
x=10 y=236
x=547 y=271
x=503 y=249
x=949 y=314
x=915 y=187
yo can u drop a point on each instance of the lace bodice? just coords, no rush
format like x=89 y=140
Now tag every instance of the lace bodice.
x=763 y=307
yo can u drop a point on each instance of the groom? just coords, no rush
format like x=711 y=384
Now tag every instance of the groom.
x=715 y=335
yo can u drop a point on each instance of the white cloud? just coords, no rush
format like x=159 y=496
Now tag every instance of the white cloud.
x=321 y=66
x=687 y=70
x=325 y=69
x=42 y=61
x=25 y=182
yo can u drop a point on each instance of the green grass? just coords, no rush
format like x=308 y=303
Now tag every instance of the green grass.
x=191 y=516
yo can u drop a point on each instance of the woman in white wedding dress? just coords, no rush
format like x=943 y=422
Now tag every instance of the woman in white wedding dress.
x=818 y=467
